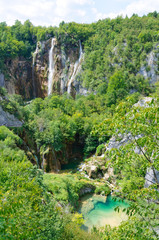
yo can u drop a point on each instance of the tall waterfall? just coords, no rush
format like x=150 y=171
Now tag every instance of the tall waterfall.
x=51 y=66
x=76 y=68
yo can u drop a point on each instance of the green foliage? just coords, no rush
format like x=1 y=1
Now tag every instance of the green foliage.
x=23 y=212
x=65 y=188
x=56 y=121
x=141 y=125
x=3 y=91
x=6 y=133
x=117 y=87
x=27 y=210
x=20 y=39
x=100 y=149
x=127 y=230
x=103 y=189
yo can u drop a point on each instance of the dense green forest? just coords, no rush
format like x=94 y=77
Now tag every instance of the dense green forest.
x=35 y=204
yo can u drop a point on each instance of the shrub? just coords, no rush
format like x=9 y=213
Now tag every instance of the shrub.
x=100 y=149
x=103 y=188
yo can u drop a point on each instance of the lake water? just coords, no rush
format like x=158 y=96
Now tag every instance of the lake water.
x=99 y=211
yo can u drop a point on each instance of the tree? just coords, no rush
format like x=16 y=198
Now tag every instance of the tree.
x=117 y=87
x=141 y=125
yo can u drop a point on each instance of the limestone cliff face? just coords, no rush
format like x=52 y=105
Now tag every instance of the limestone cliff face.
x=18 y=77
x=29 y=78
x=9 y=120
x=54 y=67
x=40 y=65
x=151 y=70
x=61 y=67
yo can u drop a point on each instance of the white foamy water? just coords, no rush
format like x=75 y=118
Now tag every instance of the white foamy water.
x=76 y=69
x=51 y=66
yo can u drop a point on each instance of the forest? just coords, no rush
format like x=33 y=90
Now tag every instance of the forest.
x=38 y=202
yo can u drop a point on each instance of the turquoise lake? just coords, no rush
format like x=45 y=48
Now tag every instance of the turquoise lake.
x=99 y=211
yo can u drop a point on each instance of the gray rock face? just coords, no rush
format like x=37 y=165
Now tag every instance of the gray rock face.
x=94 y=168
x=1 y=80
x=150 y=178
x=93 y=171
x=151 y=62
x=123 y=140
x=143 y=102
x=9 y=120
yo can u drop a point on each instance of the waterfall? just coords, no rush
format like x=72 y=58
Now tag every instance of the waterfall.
x=51 y=66
x=64 y=75
x=35 y=53
x=76 y=68
x=33 y=64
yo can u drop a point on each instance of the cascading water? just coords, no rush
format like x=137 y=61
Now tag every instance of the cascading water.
x=64 y=76
x=35 y=53
x=51 y=66
x=33 y=64
x=76 y=68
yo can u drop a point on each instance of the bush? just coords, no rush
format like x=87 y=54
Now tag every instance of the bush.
x=3 y=91
x=103 y=189
x=100 y=149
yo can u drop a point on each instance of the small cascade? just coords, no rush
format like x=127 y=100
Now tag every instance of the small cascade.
x=76 y=68
x=35 y=53
x=37 y=160
x=64 y=76
x=43 y=160
x=51 y=66
x=53 y=151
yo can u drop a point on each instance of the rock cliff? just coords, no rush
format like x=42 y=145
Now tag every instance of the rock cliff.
x=9 y=120
x=29 y=77
x=18 y=77
x=57 y=66
x=150 y=70
x=56 y=69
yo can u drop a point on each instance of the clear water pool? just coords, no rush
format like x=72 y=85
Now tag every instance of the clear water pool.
x=99 y=211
